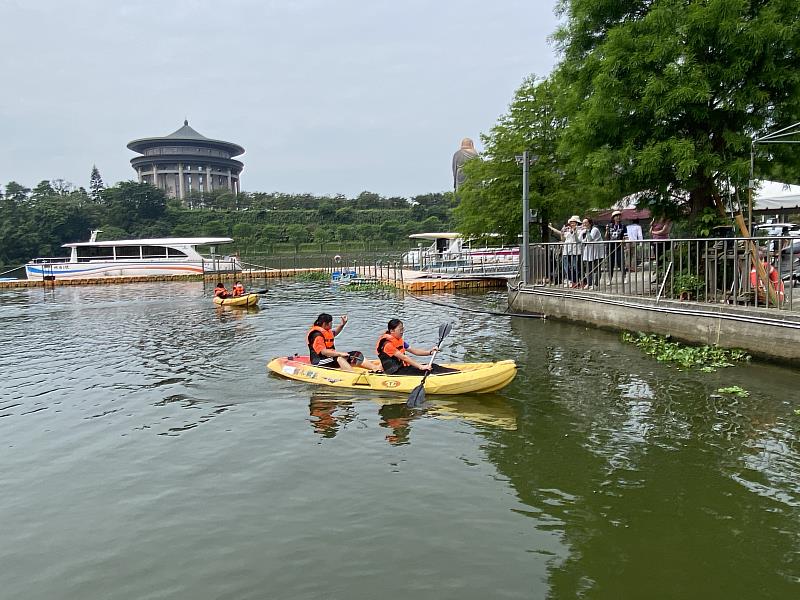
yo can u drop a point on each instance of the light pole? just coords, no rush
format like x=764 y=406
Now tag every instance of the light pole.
x=525 y=160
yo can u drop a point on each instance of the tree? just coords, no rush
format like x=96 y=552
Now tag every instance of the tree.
x=366 y=232
x=96 y=185
x=345 y=233
x=321 y=236
x=129 y=203
x=297 y=234
x=16 y=193
x=244 y=231
x=664 y=96
x=215 y=228
x=390 y=232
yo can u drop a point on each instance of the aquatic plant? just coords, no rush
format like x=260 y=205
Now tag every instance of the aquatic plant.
x=704 y=358
x=365 y=287
x=734 y=390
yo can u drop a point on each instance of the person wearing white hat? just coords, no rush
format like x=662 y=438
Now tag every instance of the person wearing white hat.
x=616 y=233
x=571 y=253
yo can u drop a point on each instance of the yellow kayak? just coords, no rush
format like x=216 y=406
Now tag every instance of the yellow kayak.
x=246 y=300
x=471 y=377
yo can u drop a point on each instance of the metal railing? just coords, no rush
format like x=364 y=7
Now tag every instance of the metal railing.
x=712 y=270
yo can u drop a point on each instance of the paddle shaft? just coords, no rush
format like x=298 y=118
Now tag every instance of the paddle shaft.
x=428 y=372
x=418 y=393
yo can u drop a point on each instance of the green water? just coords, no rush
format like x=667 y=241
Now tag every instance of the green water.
x=147 y=453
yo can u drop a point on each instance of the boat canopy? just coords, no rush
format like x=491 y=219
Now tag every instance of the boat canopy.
x=196 y=241
x=435 y=236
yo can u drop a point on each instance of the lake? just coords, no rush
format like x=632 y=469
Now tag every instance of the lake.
x=147 y=453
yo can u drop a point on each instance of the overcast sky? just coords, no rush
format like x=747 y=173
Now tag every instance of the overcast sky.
x=326 y=97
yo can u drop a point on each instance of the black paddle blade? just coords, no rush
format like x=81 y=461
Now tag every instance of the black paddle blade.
x=444 y=331
x=417 y=397
x=355 y=358
x=258 y=292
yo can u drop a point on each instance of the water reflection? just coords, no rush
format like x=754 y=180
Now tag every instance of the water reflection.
x=331 y=410
x=226 y=313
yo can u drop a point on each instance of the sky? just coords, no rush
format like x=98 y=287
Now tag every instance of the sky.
x=326 y=97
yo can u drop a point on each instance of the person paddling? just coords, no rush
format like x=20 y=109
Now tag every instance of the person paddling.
x=393 y=353
x=238 y=289
x=221 y=291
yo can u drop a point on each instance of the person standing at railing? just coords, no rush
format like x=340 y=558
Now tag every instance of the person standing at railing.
x=659 y=232
x=616 y=233
x=635 y=237
x=593 y=252
x=571 y=252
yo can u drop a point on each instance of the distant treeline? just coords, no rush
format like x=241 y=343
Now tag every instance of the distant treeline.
x=36 y=222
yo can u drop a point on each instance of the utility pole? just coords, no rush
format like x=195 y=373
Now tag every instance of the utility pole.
x=526 y=219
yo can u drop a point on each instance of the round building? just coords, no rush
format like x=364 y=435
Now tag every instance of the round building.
x=186 y=161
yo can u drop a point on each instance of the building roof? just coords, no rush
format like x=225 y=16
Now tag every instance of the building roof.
x=183 y=134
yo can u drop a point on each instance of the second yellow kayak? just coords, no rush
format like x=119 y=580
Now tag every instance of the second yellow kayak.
x=246 y=300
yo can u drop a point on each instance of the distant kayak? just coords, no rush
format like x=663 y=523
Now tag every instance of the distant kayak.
x=470 y=378
x=246 y=300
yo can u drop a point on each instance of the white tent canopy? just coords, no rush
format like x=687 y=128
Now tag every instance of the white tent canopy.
x=773 y=195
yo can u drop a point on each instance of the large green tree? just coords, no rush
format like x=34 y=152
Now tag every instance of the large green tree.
x=663 y=97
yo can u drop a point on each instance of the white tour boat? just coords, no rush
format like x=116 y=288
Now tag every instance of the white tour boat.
x=449 y=251
x=133 y=258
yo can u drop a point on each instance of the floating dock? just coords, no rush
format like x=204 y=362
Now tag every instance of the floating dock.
x=412 y=281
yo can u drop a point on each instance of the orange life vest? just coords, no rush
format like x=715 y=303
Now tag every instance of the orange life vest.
x=221 y=292
x=238 y=290
x=390 y=364
x=313 y=333
x=774 y=281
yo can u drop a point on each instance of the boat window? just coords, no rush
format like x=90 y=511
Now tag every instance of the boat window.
x=154 y=252
x=127 y=251
x=93 y=252
x=173 y=253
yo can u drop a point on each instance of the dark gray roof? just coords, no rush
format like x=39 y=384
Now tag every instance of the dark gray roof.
x=185 y=133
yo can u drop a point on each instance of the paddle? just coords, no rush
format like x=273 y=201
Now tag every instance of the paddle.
x=417 y=396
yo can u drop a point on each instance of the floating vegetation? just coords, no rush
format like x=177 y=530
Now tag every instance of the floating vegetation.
x=705 y=358
x=734 y=390
x=313 y=276
x=366 y=287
